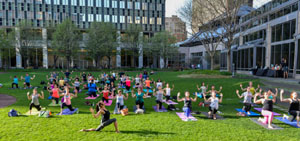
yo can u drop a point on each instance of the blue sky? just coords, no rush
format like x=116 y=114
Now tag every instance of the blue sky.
x=173 y=5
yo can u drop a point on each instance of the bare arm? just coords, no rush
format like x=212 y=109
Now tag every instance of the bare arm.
x=221 y=99
x=195 y=99
x=178 y=99
x=29 y=98
x=243 y=89
x=238 y=94
x=42 y=97
x=257 y=101
x=281 y=97
x=97 y=114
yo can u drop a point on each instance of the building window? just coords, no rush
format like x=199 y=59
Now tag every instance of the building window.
x=159 y=21
x=144 y=6
x=283 y=31
x=65 y=2
x=90 y=17
x=137 y=20
x=48 y=1
x=73 y=2
x=129 y=5
x=144 y=20
x=159 y=8
x=106 y=18
x=122 y=4
x=56 y=2
x=114 y=19
x=82 y=2
x=98 y=3
x=98 y=18
x=137 y=5
x=106 y=3
x=129 y=19
x=82 y=17
x=122 y=19
x=90 y=2
x=114 y=4
x=152 y=21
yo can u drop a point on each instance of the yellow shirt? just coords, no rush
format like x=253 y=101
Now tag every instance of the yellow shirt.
x=252 y=90
x=61 y=82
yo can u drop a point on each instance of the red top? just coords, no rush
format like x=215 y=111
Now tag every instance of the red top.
x=105 y=94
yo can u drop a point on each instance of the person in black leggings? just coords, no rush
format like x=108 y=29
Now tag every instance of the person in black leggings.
x=294 y=108
x=105 y=121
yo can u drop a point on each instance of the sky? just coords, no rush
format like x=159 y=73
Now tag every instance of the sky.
x=172 y=6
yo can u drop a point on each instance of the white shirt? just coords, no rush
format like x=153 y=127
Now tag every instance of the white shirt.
x=214 y=103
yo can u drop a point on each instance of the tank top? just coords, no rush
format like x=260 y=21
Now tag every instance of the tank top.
x=148 y=83
x=268 y=105
x=120 y=99
x=294 y=106
x=159 y=96
x=67 y=99
x=76 y=84
x=139 y=97
x=35 y=99
x=16 y=81
x=105 y=94
x=55 y=93
x=128 y=82
x=252 y=90
x=105 y=116
x=214 y=103
x=168 y=91
x=187 y=103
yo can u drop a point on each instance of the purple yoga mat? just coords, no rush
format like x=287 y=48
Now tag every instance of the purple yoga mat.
x=92 y=97
x=68 y=112
x=109 y=103
x=170 y=102
x=286 y=121
x=163 y=109
x=184 y=118
x=259 y=109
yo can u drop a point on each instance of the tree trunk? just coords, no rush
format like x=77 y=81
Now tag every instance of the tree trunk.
x=109 y=58
x=55 y=61
x=229 y=61
x=212 y=62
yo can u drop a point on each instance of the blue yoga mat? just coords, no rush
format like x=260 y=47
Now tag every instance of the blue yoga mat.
x=286 y=121
x=252 y=114
x=150 y=91
x=68 y=112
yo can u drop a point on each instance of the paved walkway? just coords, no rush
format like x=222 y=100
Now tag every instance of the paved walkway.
x=6 y=100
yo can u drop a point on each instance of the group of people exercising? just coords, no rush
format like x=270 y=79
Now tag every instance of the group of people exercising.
x=61 y=88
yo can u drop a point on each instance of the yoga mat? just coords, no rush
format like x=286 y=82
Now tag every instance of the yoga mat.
x=217 y=116
x=286 y=121
x=275 y=127
x=134 y=108
x=34 y=112
x=184 y=118
x=92 y=97
x=170 y=102
x=252 y=104
x=274 y=113
x=252 y=114
x=54 y=104
x=110 y=97
x=150 y=91
x=109 y=103
x=68 y=112
x=163 y=109
x=125 y=91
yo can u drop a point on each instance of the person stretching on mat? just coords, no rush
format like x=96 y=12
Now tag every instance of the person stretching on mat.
x=67 y=100
x=92 y=88
x=120 y=100
x=128 y=83
x=168 y=91
x=137 y=81
x=35 y=100
x=105 y=93
x=147 y=84
x=247 y=101
x=27 y=79
x=214 y=104
x=55 y=94
x=215 y=91
x=187 y=106
x=105 y=121
x=15 y=82
x=267 y=110
x=203 y=89
x=159 y=97
x=139 y=102
x=76 y=84
x=294 y=108
x=252 y=89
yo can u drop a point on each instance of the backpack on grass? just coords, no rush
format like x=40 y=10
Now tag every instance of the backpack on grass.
x=13 y=113
x=45 y=114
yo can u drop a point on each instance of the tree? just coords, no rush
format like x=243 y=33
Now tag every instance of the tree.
x=217 y=22
x=131 y=40
x=66 y=40
x=6 y=45
x=163 y=46
x=102 y=41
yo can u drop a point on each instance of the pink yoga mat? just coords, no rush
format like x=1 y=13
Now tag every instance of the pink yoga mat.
x=109 y=103
x=259 y=109
x=170 y=102
x=184 y=118
x=92 y=97
x=110 y=97
x=163 y=109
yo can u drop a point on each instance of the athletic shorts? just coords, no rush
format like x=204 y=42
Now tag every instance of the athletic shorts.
x=27 y=84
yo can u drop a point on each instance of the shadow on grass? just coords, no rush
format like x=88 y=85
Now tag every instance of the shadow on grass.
x=144 y=132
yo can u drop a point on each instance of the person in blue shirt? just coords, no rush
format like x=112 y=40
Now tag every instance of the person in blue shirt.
x=27 y=79
x=92 y=89
x=15 y=82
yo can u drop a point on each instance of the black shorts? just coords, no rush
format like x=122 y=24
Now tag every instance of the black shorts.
x=213 y=110
x=104 y=99
x=38 y=107
x=158 y=102
x=77 y=88
x=127 y=88
x=27 y=84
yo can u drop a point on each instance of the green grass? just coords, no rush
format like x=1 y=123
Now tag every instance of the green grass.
x=150 y=126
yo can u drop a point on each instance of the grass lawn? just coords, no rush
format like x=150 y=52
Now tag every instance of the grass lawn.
x=150 y=126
